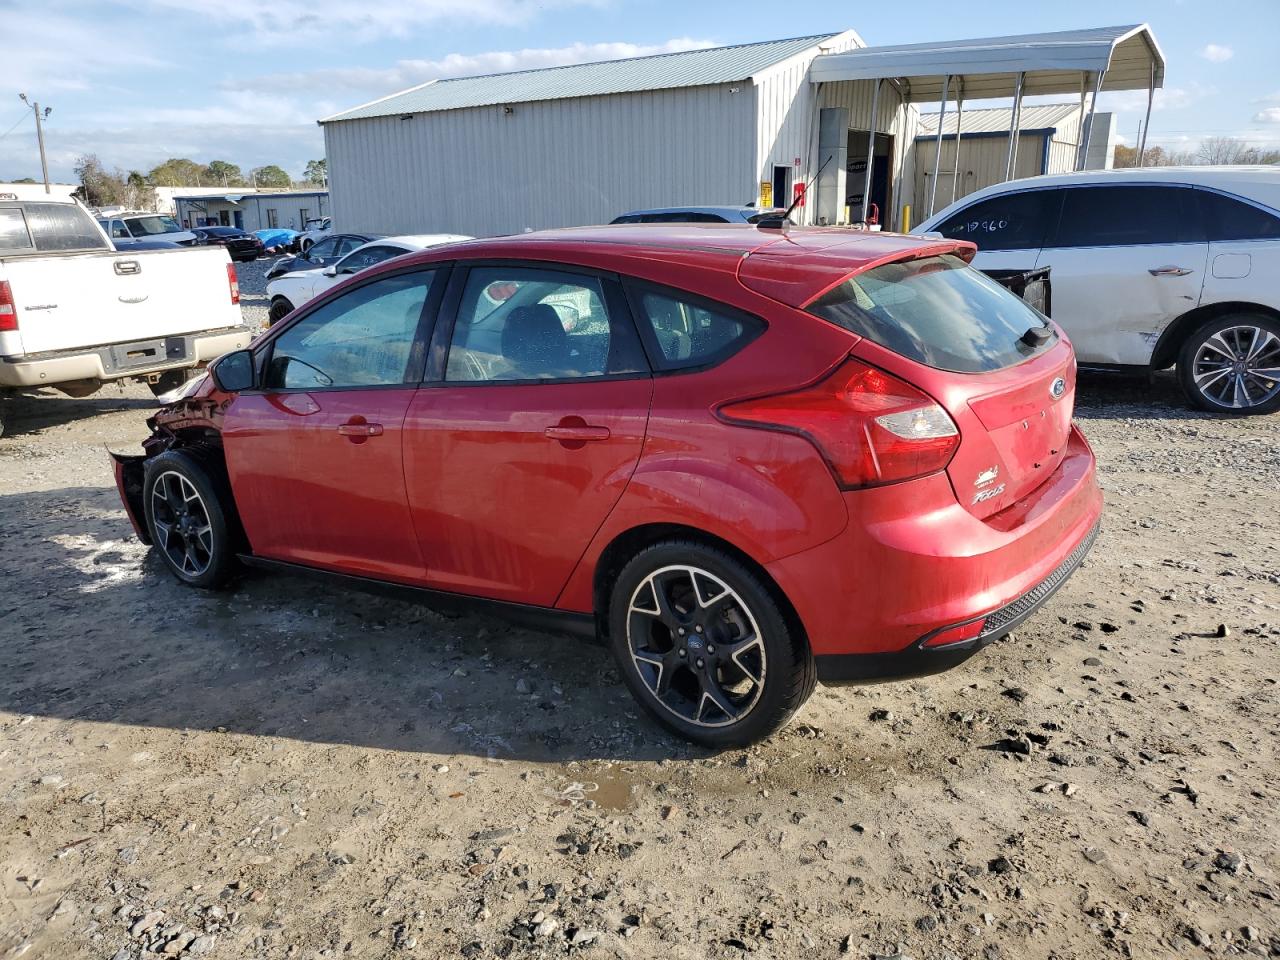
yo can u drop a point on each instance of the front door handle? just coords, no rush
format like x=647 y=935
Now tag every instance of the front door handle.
x=358 y=430
x=1169 y=271
x=577 y=434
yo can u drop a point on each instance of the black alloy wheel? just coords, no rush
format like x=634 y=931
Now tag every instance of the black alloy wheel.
x=186 y=500
x=704 y=647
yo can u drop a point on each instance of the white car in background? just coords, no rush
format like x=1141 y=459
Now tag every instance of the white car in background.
x=1150 y=268
x=313 y=231
x=292 y=290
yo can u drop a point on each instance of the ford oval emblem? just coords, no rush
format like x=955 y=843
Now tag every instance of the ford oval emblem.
x=1058 y=388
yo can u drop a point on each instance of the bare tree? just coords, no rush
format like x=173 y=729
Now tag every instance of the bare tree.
x=1223 y=150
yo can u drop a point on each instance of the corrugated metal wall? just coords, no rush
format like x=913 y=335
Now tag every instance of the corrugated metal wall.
x=982 y=163
x=786 y=122
x=553 y=163
x=892 y=118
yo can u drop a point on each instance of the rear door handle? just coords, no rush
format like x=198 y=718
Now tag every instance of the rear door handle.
x=577 y=434
x=1169 y=271
x=127 y=268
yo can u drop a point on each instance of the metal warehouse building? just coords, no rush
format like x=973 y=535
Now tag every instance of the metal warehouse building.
x=1048 y=142
x=730 y=125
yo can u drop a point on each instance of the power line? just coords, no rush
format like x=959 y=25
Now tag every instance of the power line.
x=15 y=126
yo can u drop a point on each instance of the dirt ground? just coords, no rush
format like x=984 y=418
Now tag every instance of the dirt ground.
x=288 y=771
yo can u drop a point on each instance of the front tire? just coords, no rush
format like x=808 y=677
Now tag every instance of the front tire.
x=1232 y=365
x=279 y=309
x=704 y=647
x=187 y=502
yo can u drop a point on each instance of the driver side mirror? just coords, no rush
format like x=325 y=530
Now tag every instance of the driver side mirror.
x=330 y=271
x=234 y=371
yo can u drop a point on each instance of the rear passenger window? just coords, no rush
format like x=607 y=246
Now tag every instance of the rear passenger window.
x=688 y=332
x=1229 y=219
x=524 y=323
x=62 y=226
x=1127 y=216
x=1010 y=221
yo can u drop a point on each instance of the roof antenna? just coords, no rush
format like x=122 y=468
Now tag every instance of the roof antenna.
x=780 y=222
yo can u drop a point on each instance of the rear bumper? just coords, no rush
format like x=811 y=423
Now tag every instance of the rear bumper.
x=912 y=561
x=919 y=660
x=117 y=361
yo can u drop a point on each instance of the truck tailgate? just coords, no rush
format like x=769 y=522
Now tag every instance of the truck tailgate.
x=67 y=301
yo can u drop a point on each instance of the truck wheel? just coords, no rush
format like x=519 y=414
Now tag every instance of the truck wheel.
x=279 y=309
x=1232 y=365
x=191 y=516
x=4 y=403
x=170 y=380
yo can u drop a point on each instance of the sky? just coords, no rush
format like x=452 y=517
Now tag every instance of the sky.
x=139 y=81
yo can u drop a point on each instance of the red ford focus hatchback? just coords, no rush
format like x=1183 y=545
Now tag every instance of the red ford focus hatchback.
x=749 y=460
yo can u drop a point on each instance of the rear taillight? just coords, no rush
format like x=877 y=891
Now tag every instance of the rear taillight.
x=871 y=427
x=8 y=310
x=233 y=282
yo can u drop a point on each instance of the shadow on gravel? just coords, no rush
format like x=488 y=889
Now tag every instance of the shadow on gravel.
x=92 y=627
x=31 y=412
x=1111 y=396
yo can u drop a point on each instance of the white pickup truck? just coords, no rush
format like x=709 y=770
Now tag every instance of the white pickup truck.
x=75 y=313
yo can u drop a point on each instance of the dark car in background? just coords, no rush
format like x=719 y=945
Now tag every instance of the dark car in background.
x=241 y=245
x=718 y=214
x=322 y=253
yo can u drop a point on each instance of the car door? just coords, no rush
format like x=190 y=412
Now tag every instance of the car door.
x=1125 y=261
x=528 y=429
x=1009 y=228
x=315 y=454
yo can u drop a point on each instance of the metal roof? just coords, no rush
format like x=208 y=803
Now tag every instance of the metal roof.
x=1045 y=116
x=690 y=68
x=1053 y=63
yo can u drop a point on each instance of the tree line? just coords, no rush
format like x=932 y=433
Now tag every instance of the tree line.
x=101 y=187
x=1212 y=150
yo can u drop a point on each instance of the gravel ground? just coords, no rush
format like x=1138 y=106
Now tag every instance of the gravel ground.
x=288 y=771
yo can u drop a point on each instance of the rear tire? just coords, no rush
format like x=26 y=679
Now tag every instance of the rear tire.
x=191 y=516
x=1232 y=365
x=279 y=309
x=704 y=647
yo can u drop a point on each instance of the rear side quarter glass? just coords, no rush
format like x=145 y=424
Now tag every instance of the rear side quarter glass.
x=938 y=311
x=1126 y=216
x=1007 y=221
x=1226 y=218
x=13 y=230
x=682 y=331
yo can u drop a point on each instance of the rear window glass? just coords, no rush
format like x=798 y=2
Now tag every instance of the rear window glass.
x=938 y=311
x=1229 y=219
x=62 y=226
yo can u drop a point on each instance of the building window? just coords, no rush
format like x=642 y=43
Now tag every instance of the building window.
x=273 y=218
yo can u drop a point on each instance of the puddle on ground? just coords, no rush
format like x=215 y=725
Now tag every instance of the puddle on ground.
x=610 y=788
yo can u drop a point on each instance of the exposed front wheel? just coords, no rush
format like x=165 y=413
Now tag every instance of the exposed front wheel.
x=1232 y=365
x=703 y=646
x=279 y=309
x=185 y=499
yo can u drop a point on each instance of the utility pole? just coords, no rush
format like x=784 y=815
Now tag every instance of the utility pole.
x=40 y=118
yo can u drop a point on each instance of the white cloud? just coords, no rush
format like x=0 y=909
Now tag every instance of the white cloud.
x=1216 y=53
x=1269 y=115
x=287 y=21
x=410 y=73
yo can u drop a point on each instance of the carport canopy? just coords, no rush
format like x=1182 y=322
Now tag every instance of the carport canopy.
x=1033 y=64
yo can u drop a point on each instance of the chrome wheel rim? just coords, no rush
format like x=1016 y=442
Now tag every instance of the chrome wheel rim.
x=181 y=522
x=1238 y=367
x=696 y=646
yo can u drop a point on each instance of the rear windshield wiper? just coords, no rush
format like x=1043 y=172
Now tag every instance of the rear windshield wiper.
x=1036 y=335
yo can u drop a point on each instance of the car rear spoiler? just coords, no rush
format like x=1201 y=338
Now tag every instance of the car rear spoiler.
x=1031 y=285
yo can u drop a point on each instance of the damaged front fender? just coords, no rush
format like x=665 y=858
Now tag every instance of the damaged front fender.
x=129 y=471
